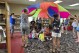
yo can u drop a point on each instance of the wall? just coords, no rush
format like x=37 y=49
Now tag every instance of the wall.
x=74 y=12
x=16 y=8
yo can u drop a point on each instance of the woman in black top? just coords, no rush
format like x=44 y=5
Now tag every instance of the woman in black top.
x=56 y=32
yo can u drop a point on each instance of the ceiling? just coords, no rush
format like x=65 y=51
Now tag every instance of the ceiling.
x=65 y=3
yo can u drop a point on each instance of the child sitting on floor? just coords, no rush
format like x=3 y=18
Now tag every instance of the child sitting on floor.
x=33 y=34
x=47 y=34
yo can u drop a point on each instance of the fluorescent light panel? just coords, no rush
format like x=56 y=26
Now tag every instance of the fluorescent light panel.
x=74 y=4
x=32 y=0
x=58 y=1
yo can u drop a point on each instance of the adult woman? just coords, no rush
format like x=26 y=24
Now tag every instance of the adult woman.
x=56 y=32
x=74 y=24
x=24 y=24
x=77 y=32
x=66 y=24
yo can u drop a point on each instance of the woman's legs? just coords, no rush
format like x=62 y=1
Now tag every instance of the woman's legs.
x=74 y=33
x=58 y=43
x=62 y=29
x=23 y=36
x=26 y=40
x=23 y=39
x=54 y=44
x=27 y=32
x=66 y=29
x=78 y=37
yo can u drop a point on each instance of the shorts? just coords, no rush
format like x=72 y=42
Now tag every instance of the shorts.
x=56 y=34
x=25 y=31
x=74 y=28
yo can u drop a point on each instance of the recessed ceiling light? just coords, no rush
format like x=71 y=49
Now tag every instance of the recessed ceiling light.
x=76 y=4
x=58 y=1
x=32 y=0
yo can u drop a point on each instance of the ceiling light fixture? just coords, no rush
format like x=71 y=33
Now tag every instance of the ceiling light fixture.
x=58 y=1
x=32 y=0
x=76 y=4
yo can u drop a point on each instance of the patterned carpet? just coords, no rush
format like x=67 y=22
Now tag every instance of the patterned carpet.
x=68 y=45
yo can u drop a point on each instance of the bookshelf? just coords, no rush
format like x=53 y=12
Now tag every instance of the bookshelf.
x=3 y=27
x=2 y=35
x=2 y=23
x=45 y=22
x=17 y=24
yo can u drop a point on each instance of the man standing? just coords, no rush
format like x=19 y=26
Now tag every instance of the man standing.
x=12 y=23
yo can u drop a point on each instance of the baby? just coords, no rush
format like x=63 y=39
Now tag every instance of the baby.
x=34 y=33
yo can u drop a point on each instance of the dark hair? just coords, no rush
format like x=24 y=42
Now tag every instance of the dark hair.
x=12 y=14
x=25 y=10
x=75 y=15
x=55 y=15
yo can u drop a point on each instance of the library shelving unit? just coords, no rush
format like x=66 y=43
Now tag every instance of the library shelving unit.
x=2 y=22
x=2 y=28
x=17 y=24
x=46 y=22
x=5 y=41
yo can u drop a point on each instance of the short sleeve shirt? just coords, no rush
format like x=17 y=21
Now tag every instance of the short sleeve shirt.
x=24 y=20
x=74 y=24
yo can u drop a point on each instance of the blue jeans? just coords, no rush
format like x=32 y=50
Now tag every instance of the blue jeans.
x=11 y=28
